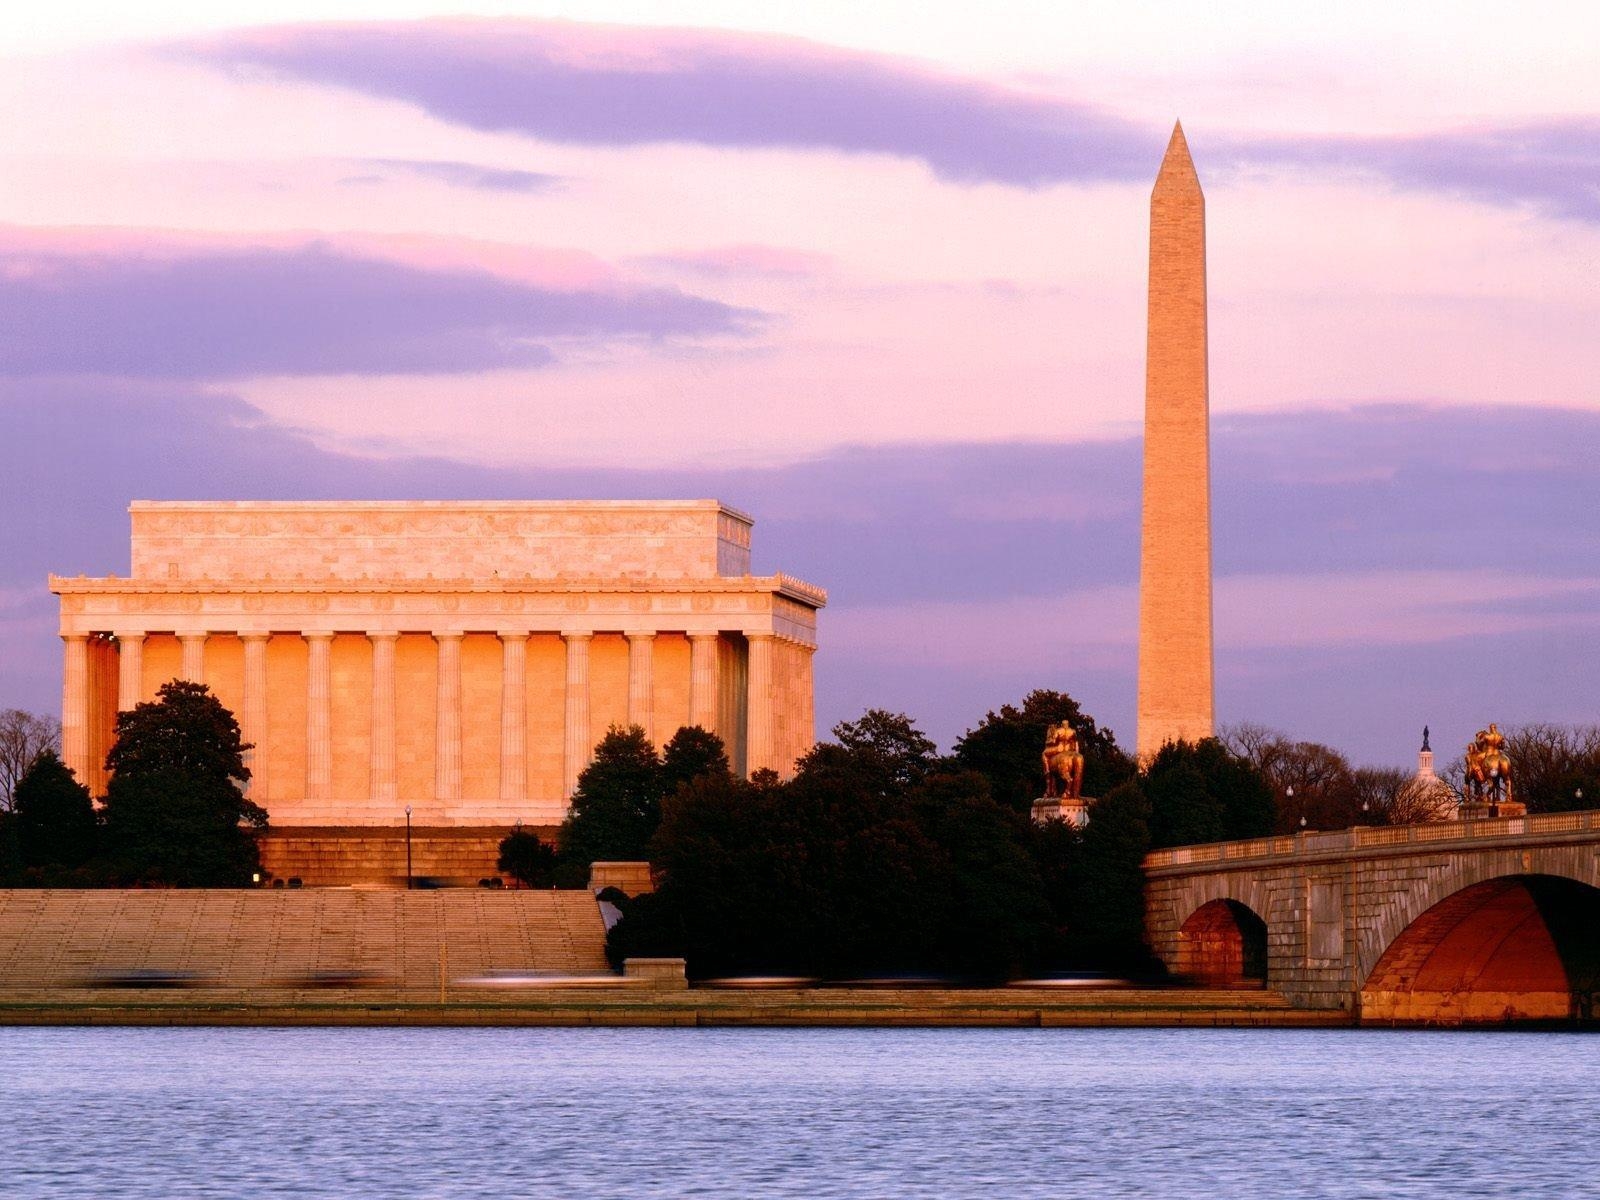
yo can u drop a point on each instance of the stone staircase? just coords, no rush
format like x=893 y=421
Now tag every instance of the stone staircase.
x=292 y=939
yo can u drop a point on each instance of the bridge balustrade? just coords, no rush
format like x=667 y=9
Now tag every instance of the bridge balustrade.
x=1374 y=835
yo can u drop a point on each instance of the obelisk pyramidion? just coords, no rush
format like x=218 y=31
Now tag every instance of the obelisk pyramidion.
x=1175 y=686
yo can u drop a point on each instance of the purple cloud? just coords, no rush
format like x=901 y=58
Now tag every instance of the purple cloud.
x=470 y=175
x=220 y=312
x=1553 y=165
x=1369 y=493
x=598 y=85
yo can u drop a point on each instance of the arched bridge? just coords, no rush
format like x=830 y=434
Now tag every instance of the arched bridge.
x=1460 y=922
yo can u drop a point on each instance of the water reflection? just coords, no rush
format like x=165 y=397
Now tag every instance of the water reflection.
x=815 y=1113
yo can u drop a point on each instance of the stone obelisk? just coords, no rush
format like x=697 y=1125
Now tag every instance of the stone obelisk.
x=1175 y=686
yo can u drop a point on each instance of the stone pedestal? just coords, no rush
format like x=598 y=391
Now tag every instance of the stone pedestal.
x=669 y=973
x=1055 y=808
x=1484 y=810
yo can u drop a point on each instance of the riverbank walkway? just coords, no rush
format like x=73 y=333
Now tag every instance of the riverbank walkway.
x=340 y=956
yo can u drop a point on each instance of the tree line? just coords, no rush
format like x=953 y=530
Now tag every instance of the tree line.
x=882 y=855
x=879 y=855
x=174 y=813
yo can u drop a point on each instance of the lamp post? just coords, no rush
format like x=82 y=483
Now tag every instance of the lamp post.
x=408 y=847
x=1494 y=791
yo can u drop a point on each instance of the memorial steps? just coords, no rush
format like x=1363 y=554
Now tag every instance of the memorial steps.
x=388 y=940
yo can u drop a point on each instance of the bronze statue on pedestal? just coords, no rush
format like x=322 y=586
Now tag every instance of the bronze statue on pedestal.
x=1488 y=767
x=1063 y=763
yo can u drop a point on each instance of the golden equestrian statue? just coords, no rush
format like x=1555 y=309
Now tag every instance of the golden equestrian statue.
x=1063 y=763
x=1488 y=767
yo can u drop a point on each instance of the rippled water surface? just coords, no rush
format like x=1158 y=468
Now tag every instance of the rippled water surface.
x=816 y=1113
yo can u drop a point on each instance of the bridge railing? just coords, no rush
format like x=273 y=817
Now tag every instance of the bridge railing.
x=1357 y=837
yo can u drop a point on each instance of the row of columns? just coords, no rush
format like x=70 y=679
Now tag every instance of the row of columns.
x=703 y=677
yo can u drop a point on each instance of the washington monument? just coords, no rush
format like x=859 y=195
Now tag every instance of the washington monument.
x=1175 y=687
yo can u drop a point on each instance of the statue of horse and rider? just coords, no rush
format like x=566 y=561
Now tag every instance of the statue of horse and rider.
x=1063 y=763
x=1488 y=767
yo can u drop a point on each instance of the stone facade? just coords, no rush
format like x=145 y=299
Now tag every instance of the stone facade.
x=1175 y=661
x=459 y=658
x=1344 y=913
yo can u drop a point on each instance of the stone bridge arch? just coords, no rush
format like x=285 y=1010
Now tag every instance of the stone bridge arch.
x=1491 y=938
x=1177 y=919
x=1336 y=903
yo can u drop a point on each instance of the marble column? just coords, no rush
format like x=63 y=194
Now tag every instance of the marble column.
x=703 y=681
x=578 y=746
x=641 y=682
x=513 y=715
x=75 y=705
x=194 y=657
x=253 y=718
x=319 y=715
x=447 y=755
x=760 y=727
x=130 y=669
x=384 y=785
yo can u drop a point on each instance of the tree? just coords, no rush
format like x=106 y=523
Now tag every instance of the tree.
x=617 y=804
x=1390 y=796
x=527 y=859
x=1203 y=792
x=889 y=742
x=23 y=737
x=691 y=753
x=1308 y=780
x=847 y=869
x=1183 y=811
x=1107 y=914
x=1552 y=764
x=1005 y=747
x=995 y=913
x=174 y=813
x=54 y=816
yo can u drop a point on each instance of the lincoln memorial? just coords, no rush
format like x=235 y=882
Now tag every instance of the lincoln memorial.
x=459 y=659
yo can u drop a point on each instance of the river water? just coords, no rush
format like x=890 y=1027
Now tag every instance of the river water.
x=355 y=1113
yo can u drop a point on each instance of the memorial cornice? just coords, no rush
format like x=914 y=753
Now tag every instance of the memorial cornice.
x=780 y=584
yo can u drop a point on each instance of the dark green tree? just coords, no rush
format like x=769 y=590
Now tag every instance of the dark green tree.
x=10 y=849
x=617 y=804
x=1183 y=812
x=174 y=813
x=527 y=859
x=55 y=821
x=1203 y=792
x=1107 y=903
x=889 y=743
x=691 y=753
x=1005 y=747
x=996 y=917
x=840 y=872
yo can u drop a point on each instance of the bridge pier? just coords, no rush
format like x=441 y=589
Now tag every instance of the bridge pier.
x=1335 y=904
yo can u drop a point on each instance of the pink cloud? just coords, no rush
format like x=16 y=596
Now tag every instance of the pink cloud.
x=742 y=259
x=186 y=306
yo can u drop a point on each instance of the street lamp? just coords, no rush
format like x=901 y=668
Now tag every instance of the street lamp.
x=408 y=847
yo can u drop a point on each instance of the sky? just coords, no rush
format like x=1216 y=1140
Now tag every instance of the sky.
x=873 y=273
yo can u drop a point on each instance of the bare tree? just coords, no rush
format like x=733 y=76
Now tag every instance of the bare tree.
x=1317 y=783
x=1555 y=768
x=1390 y=796
x=23 y=737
